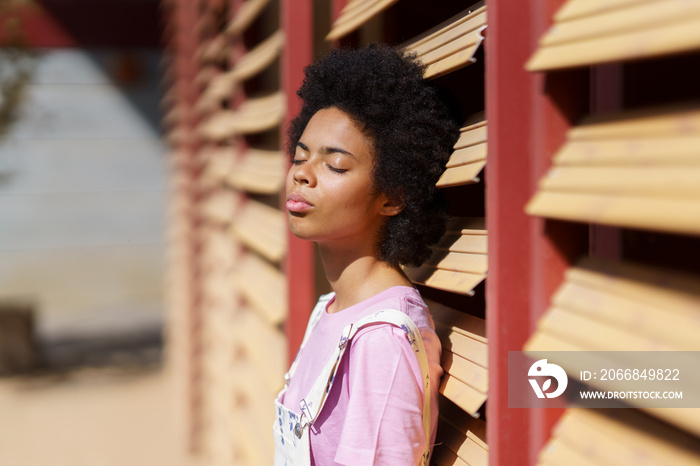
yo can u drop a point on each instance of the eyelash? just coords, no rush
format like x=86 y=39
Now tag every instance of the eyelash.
x=339 y=171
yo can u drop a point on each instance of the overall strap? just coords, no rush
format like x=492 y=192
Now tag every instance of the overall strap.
x=313 y=320
x=312 y=404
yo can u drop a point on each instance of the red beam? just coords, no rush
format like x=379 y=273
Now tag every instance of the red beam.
x=528 y=116
x=297 y=22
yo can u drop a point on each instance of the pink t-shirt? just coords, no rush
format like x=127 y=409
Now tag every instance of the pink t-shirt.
x=373 y=414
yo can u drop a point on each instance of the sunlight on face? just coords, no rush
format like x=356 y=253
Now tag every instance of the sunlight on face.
x=330 y=196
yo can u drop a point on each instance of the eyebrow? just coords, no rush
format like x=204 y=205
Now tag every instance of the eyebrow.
x=327 y=150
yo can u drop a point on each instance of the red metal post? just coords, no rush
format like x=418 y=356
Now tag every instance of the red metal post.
x=527 y=256
x=297 y=23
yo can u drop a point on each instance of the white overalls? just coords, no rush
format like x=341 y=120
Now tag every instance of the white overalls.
x=291 y=430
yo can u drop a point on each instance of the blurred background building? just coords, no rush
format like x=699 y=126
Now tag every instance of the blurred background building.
x=573 y=190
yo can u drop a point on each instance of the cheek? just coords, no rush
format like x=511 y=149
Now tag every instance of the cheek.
x=290 y=179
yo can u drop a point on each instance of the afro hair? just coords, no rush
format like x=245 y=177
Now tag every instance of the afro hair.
x=384 y=93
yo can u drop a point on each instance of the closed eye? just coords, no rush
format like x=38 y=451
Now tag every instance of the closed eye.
x=336 y=170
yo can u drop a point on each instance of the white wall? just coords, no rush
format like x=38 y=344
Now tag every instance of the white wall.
x=82 y=193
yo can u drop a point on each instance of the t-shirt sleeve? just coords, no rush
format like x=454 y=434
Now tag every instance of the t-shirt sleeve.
x=384 y=421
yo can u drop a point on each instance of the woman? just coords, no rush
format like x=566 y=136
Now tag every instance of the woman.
x=367 y=148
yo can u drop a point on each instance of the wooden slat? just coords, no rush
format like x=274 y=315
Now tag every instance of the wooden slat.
x=263 y=286
x=465 y=370
x=443 y=456
x=259 y=171
x=620 y=437
x=463 y=344
x=220 y=162
x=355 y=14
x=451 y=267
x=261 y=228
x=631 y=170
x=179 y=135
x=220 y=88
x=619 y=30
x=254 y=115
x=245 y=15
x=205 y=75
x=469 y=156
x=474 y=427
x=451 y=45
x=213 y=51
x=219 y=207
x=175 y=115
x=578 y=8
x=259 y=58
x=458 y=321
x=557 y=452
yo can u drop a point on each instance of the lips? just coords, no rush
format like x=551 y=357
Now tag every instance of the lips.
x=298 y=203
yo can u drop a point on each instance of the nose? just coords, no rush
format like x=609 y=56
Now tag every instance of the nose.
x=303 y=173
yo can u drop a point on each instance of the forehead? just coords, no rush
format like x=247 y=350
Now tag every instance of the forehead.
x=331 y=127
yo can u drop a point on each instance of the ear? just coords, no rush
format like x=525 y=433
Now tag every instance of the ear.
x=391 y=207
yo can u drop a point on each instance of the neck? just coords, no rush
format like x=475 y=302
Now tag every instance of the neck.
x=356 y=275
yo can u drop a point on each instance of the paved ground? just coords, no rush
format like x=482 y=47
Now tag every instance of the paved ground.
x=91 y=417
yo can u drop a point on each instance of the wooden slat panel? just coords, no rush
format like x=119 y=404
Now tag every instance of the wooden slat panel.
x=264 y=286
x=266 y=346
x=464 y=355
x=633 y=170
x=355 y=14
x=621 y=437
x=622 y=30
x=452 y=44
x=262 y=228
x=450 y=269
x=245 y=15
x=259 y=171
x=254 y=115
x=469 y=156
x=619 y=307
x=222 y=86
